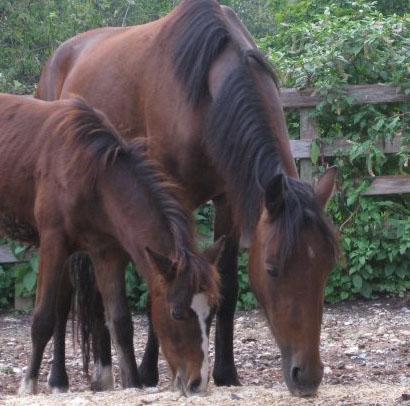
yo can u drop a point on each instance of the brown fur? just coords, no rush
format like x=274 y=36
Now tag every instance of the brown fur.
x=67 y=176
x=194 y=84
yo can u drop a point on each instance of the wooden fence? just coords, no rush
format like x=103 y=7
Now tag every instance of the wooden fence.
x=305 y=101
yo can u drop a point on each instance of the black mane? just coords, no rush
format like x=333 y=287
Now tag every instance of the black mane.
x=201 y=35
x=239 y=140
x=239 y=137
x=88 y=130
x=301 y=212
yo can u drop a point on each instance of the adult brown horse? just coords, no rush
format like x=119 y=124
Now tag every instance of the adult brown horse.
x=69 y=183
x=194 y=84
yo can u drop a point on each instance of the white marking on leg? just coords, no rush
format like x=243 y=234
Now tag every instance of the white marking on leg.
x=202 y=309
x=55 y=390
x=28 y=387
x=103 y=377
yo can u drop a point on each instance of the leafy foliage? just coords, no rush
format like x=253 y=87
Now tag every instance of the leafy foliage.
x=351 y=42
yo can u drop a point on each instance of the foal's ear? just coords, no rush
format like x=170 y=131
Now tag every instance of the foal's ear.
x=163 y=264
x=214 y=252
x=275 y=195
x=325 y=186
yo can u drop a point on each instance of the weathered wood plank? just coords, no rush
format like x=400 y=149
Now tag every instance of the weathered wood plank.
x=338 y=147
x=389 y=185
x=6 y=256
x=308 y=132
x=361 y=94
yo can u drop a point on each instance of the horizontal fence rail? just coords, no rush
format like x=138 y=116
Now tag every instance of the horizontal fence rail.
x=307 y=99
x=6 y=256
x=359 y=94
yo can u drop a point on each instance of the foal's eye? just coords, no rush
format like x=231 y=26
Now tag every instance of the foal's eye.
x=273 y=271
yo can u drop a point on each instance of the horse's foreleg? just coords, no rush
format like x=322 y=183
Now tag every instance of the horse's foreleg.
x=58 y=379
x=102 y=378
x=110 y=276
x=149 y=365
x=224 y=372
x=53 y=253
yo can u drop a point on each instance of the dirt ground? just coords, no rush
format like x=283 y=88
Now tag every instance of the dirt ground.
x=365 y=349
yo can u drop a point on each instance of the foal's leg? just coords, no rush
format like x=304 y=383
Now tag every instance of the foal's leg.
x=149 y=365
x=58 y=379
x=110 y=275
x=224 y=372
x=53 y=253
x=102 y=378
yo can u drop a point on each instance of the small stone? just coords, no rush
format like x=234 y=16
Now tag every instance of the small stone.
x=327 y=371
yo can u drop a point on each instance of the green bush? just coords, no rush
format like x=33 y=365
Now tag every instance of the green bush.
x=356 y=44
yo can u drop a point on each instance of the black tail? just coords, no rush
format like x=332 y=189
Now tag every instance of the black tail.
x=85 y=293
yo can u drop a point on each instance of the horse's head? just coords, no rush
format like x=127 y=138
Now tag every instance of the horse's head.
x=184 y=301
x=294 y=251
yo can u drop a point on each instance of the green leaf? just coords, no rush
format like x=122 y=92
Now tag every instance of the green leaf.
x=314 y=152
x=357 y=281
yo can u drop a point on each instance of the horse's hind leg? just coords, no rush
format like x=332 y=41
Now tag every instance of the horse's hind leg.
x=58 y=379
x=149 y=365
x=102 y=378
x=224 y=372
x=110 y=275
x=53 y=253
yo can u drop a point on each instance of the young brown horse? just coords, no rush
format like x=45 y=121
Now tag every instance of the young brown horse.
x=69 y=183
x=222 y=138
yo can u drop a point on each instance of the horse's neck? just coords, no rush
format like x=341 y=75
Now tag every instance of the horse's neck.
x=134 y=219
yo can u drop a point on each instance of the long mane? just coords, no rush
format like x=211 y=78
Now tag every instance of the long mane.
x=239 y=137
x=88 y=130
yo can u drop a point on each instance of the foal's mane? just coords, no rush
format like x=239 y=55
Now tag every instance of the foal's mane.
x=88 y=130
x=239 y=137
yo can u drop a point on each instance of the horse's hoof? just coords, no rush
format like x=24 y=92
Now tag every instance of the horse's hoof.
x=150 y=378
x=57 y=382
x=103 y=379
x=226 y=377
x=28 y=387
x=56 y=390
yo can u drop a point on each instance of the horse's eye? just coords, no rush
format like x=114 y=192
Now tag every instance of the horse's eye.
x=273 y=271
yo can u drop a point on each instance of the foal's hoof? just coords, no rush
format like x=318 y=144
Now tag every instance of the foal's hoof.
x=103 y=379
x=148 y=377
x=226 y=377
x=28 y=387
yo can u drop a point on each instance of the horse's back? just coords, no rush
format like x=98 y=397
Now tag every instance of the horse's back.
x=64 y=58
x=97 y=49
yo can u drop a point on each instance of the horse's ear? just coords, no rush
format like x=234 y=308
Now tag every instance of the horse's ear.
x=275 y=195
x=325 y=186
x=162 y=264
x=213 y=253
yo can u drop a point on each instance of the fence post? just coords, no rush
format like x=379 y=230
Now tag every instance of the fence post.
x=308 y=131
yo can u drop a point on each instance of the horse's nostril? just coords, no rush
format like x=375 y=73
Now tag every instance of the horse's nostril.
x=194 y=385
x=296 y=374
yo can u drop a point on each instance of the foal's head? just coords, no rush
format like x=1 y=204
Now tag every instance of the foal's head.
x=294 y=252
x=184 y=299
